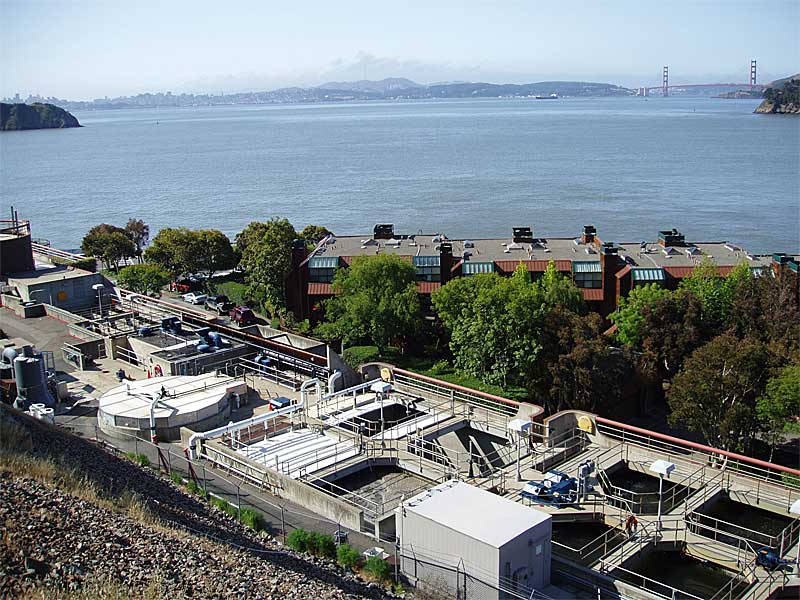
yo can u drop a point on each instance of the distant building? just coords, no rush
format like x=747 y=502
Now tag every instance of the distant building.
x=604 y=271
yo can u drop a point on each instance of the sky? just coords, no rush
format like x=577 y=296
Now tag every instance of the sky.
x=85 y=49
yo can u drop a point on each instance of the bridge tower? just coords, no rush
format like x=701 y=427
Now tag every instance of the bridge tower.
x=752 y=73
x=665 y=82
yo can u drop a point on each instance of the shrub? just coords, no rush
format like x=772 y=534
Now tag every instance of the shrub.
x=176 y=478
x=325 y=546
x=358 y=355
x=142 y=460
x=440 y=367
x=223 y=505
x=298 y=540
x=377 y=568
x=87 y=264
x=193 y=487
x=236 y=292
x=347 y=556
x=253 y=519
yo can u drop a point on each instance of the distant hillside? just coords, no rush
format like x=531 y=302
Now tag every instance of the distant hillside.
x=782 y=97
x=15 y=117
x=384 y=86
x=494 y=90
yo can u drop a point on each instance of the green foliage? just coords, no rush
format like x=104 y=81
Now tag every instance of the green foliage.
x=139 y=233
x=376 y=568
x=314 y=233
x=440 y=367
x=37 y=115
x=223 y=505
x=298 y=540
x=778 y=409
x=236 y=292
x=359 y=355
x=266 y=250
x=788 y=93
x=496 y=324
x=716 y=390
x=253 y=519
x=377 y=302
x=140 y=459
x=629 y=318
x=348 y=557
x=323 y=545
x=143 y=279
x=176 y=478
x=87 y=264
x=108 y=243
x=184 y=251
x=192 y=486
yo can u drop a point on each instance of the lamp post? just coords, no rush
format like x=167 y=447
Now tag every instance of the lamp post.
x=99 y=287
x=795 y=510
x=663 y=468
x=519 y=426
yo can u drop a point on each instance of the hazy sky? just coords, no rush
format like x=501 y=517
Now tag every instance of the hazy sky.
x=88 y=49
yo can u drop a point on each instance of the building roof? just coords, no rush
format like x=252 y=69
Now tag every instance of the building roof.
x=320 y=289
x=534 y=266
x=592 y=294
x=428 y=287
x=476 y=513
x=723 y=254
x=41 y=276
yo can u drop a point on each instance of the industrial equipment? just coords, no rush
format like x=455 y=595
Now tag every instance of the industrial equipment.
x=557 y=489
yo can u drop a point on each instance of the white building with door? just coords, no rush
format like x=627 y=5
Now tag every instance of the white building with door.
x=470 y=543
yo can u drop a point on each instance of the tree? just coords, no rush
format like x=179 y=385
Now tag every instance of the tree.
x=715 y=392
x=673 y=328
x=314 y=233
x=778 y=409
x=376 y=301
x=214 y=251
x=714 y=291
x=267 y=258
x=139 y=233
x=143 y=279
x=173 y=250
x=559 y=290
x=108 y=243
x=629 y=318
x=587 y=374
x=766 y=308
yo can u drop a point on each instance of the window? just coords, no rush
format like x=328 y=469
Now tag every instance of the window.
x=588 y=280
x=321 y=275
x=429 y=274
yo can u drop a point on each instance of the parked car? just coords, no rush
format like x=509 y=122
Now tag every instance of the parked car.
x=242 y=316
x=219 y=303
x=194 y=298
x=185 y=285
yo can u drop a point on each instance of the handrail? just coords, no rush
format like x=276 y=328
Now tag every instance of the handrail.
x=701 y=447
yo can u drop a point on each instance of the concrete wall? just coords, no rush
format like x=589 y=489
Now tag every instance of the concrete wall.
x=72 y=293
x=285 y=487
x=16 y=254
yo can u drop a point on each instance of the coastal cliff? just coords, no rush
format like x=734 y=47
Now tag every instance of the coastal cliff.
x=15 y=117
x=783 y=97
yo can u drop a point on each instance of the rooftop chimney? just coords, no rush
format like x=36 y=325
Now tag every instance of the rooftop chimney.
x=588 y=235
x=383 y=231
x=671 y=237
x=522 y=235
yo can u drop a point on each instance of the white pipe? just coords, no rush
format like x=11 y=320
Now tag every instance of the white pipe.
x=268 y=416
x=333 y=378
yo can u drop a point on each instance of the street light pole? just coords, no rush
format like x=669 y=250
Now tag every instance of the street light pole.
x=99 y=287
x=663 y=468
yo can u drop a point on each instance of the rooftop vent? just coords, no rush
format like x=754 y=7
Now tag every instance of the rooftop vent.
x=446 y=248
x=588 y=235
x=608 y=248
x=383 y=231
x=671 y=237
x=522 y=234
x=469 y=244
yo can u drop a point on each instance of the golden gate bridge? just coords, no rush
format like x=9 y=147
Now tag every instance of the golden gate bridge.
x=665 y=86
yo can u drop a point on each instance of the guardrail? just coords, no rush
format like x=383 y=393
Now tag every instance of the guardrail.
x=769 y=480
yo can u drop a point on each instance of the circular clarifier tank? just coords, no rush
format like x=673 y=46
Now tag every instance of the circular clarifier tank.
x=199 y=403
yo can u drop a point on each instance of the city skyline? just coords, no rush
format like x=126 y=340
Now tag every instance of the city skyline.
x=199 y=48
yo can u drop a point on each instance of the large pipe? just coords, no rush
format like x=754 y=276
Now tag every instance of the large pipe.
x=333 y=378
x=268 y=416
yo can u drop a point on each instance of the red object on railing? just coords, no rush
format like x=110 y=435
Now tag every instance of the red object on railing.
x=679 y=442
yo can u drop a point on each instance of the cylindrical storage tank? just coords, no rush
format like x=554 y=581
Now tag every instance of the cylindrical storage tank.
x=215 y=338
x=49 y=415
x=36 y=409
x=26 y=372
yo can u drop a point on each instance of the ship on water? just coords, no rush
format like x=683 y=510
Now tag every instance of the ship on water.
x=550 y=97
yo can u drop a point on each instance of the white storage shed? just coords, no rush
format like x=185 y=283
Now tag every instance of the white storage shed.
x=468 y=542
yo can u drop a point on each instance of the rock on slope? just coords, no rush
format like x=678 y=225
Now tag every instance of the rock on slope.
x=60 y=539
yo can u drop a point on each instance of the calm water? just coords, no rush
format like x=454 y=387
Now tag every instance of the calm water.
x=468 y=168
